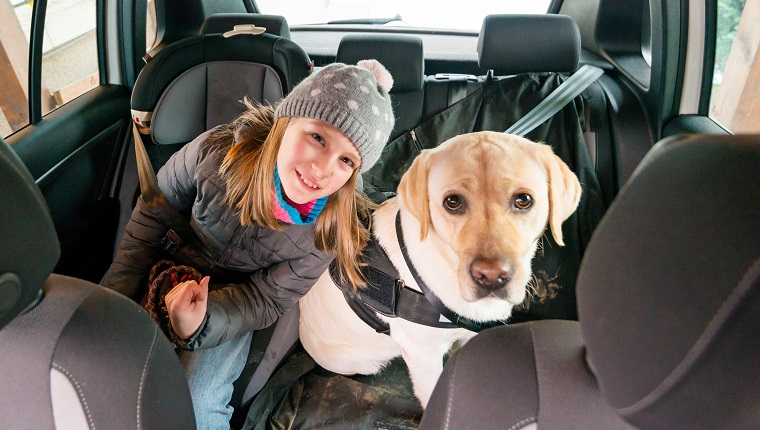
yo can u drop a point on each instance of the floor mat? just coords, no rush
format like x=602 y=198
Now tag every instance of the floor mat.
x=302 y=395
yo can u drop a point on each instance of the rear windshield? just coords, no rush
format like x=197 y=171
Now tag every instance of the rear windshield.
x=443 y=14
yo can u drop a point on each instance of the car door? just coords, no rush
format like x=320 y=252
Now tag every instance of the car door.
x=67 y=70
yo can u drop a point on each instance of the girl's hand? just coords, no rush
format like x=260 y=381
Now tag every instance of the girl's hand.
x=186 y=304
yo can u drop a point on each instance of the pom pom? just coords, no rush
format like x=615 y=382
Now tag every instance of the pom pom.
x=382 y=75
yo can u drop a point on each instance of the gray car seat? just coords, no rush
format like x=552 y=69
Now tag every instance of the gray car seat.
x=73 y=354
x=669 y=305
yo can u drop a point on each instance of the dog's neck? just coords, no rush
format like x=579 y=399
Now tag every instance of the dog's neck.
x=385 y=230
x=437 y=262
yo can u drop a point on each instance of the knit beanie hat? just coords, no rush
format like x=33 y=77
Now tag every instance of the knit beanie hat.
x=353 y=99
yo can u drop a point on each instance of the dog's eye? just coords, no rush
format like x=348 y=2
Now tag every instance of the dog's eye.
x=523 y=201
x=453 y=203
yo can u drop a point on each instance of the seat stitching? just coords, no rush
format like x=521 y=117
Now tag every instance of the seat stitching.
x=80 y=394
x=142 y=377
x=451 y=396
x=522 y=423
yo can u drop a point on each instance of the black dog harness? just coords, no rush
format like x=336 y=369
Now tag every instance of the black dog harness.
x=386 y=293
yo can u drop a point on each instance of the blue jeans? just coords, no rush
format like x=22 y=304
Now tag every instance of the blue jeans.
x=210 y=374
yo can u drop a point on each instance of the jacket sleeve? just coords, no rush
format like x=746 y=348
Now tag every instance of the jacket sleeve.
x=239 y=308
x=138 y=251
x=140 y=247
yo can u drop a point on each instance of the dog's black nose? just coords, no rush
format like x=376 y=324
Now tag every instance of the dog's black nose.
x=490 y=274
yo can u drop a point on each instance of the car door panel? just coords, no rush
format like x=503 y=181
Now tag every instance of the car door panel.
x=73 y=154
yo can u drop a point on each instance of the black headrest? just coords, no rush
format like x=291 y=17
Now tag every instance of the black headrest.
x=29 y=248
x=222 y=22
x=402 y=55
x=669 y=288
x=512 y=44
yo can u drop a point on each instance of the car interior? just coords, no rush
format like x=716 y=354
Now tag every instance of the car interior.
x=646 y=318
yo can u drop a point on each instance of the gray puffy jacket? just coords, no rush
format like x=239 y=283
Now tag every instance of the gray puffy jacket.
x=279 y=266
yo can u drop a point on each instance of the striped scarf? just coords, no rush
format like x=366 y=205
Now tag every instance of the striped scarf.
x=290 y=212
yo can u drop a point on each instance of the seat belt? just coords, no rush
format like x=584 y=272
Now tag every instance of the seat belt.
x=558 y=99
x=156 y=201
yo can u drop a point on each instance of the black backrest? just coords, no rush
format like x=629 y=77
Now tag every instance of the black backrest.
x=495 y=104
x=669 y=290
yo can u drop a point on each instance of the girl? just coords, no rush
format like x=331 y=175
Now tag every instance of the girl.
x=273 y=194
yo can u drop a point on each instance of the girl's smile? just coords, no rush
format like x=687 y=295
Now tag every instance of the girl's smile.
x=315 y=159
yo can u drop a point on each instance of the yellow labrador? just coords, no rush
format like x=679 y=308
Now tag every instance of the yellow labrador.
x=472 y=212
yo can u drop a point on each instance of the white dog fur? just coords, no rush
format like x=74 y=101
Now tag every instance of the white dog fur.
x=491 y=173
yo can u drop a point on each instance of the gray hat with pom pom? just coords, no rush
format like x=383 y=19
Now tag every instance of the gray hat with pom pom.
x=353 y=99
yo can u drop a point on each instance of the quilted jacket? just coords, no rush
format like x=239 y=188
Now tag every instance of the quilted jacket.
x=278 y=267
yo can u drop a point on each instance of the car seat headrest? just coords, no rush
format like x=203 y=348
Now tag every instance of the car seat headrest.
x=29 y=247
x=512 y=44
x=669 y=288
x=197 y=83
x=402 y=55
x=223 y=22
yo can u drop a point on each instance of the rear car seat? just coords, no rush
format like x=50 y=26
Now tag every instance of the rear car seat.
x=521 y=73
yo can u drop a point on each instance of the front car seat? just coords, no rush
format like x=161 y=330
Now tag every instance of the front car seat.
x=73 y=354
x=669 y=311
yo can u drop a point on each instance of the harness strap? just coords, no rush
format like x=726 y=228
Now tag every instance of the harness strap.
x=452 y=316
x=387 y=295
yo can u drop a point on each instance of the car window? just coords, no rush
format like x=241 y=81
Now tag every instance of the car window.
x=69 y=57
x=448 y=14
x=735 y=99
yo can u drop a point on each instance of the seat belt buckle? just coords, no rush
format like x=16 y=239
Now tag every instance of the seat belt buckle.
x=168 y=243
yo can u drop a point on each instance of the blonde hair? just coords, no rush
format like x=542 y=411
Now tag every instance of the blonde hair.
x=248 y=170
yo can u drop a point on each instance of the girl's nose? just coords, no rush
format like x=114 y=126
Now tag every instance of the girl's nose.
x=321 y=167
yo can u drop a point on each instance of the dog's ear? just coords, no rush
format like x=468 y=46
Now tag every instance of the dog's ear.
x=564 y=192
x=413 y=189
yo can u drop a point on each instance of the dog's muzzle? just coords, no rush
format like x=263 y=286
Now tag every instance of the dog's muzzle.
x=489 y=274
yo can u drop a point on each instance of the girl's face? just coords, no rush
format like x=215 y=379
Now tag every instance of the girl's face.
x=315 y=160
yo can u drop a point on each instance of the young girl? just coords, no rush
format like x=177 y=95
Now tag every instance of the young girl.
x=273 y=195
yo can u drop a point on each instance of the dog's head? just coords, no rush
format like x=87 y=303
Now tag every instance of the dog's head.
x=489 y=198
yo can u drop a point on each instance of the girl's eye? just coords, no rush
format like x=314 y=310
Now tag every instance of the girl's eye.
x=523 y=201
x=348 y=161
x=318 y=138
x=453 y=204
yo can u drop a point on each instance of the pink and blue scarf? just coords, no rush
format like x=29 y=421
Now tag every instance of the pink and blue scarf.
x=290 y=212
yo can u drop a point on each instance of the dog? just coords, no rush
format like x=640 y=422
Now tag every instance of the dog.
x=472 y=212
